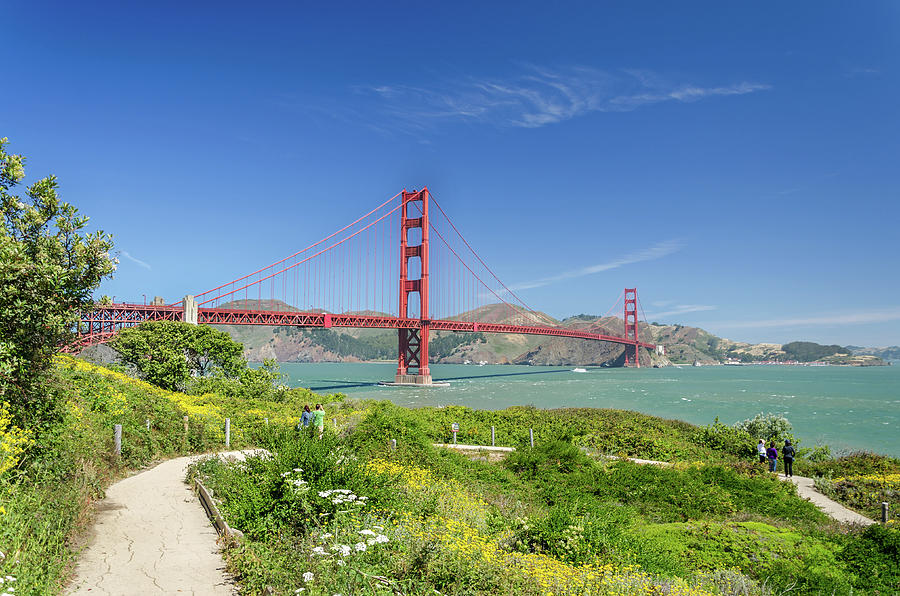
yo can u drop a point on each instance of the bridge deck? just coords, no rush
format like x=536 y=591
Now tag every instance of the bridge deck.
x=105 y=321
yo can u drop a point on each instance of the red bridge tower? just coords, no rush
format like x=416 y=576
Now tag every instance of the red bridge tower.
x=631 y=327
x=413 y=342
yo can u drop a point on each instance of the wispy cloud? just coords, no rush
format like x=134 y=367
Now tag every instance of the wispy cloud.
x=862 y=71
x=648 y=254
x=540 y=96
x=681 y=309
x=852 y=318
x=143 y=264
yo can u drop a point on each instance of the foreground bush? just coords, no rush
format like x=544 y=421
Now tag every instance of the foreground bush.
x=333 y=523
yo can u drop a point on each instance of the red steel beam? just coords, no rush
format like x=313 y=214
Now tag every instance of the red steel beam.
x=105 y=321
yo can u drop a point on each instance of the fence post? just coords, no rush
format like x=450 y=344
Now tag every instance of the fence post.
x=393 y=444
x=884 y=512
x=118 y=438
x=492 y=436
x=148 y=424
x=335 y=422
x=531 y=436
x=267 y=422
x=227 y=433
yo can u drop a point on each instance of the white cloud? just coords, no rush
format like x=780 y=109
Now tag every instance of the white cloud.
x=853 y=318
x=541 y=96
x=143 y=264
x=648 y=254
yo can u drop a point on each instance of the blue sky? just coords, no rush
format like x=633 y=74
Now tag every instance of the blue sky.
x=737 y=164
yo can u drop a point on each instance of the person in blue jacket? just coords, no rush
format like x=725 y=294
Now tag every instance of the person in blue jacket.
x=306 y=417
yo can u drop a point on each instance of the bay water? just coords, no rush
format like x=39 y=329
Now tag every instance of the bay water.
x=847 y=408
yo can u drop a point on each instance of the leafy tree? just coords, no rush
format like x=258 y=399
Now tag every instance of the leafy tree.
x=49 y=268
x=769 y=427
x=169 y=353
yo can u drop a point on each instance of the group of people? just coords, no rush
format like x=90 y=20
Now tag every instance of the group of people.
x=771 y=455
x=316 y=417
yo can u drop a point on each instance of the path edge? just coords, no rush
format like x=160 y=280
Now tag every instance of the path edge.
x=212 y=511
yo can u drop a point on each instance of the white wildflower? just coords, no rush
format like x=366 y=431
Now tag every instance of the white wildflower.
x=308 y=576
x=381 y=539
x=319 y=551
x=341 y=562
x=327 y=536
x=361 y=547
x=366 y=532
x=343 y=548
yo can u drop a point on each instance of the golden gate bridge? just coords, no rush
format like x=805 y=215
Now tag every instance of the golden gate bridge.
x=350 y=279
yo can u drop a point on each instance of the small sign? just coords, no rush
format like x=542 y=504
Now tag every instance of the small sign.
x=454 y=427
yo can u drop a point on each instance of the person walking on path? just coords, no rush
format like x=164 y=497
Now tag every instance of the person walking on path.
x=761 y=449
x=306 y=417
x=772 y=454
x=319 y=419
x=788 y=455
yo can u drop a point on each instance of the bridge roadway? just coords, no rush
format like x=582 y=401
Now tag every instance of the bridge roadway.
x=105 y=321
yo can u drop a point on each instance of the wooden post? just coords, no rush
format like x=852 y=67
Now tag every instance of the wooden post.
x=393 y=444
x=148 y=424
x=118 y=439
x=227 y=432
x=884 y=512
x=492 y=436
x=531 y=436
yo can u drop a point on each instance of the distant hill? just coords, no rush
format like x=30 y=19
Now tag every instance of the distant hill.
x=888 y=353
x=683 y=344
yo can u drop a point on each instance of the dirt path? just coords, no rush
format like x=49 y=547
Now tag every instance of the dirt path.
x=806 y=488
x=152 y=536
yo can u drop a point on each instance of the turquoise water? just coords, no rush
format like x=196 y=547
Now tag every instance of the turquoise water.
x=846 y=408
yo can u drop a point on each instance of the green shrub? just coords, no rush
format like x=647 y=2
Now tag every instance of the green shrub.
x=769 y=427
x=873 y=556
x=727 y=439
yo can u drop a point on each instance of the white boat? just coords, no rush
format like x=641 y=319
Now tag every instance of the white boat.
x=579 y=370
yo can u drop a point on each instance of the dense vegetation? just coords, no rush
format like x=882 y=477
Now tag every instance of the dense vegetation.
x=378 y=347
x=548 y=519
x=807 y=351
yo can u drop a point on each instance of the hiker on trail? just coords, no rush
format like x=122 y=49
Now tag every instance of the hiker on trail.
x=319 y=419
x=788 y=455
x=772 y=454
x=306 y=417
x=761 y=449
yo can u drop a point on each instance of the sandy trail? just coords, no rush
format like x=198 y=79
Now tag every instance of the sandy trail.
x=807 y=489
x=152 y=536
